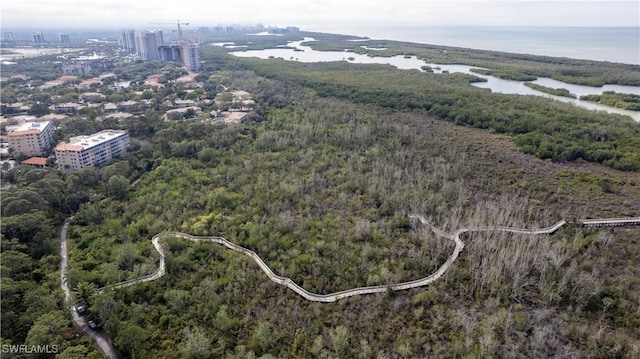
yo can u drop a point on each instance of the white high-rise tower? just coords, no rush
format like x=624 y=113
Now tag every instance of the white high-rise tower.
x=191 y=57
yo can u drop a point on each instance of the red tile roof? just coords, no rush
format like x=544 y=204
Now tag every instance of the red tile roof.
x=38 y=161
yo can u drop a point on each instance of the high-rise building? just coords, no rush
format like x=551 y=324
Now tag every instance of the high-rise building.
x=159 y=37
x=147 y=43
x=191 y=57
x=31 y=138
x=170 y=53
x=8 y=36
x=127 y=40
x=64 y=37
x=38 y=38
x=91 y=151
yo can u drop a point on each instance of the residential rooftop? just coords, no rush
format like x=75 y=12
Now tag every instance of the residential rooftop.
x=35 y=161
x=79 y=143
x=35 y=126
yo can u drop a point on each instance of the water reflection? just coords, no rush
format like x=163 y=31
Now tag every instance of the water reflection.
x=296 y=51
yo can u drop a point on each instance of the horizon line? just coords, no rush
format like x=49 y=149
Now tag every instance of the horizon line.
x=116 y=28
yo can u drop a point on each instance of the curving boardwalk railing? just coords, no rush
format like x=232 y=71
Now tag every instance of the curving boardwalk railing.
x=105 y=346
x=147 y=278
x=611 y=222
x=332 y=297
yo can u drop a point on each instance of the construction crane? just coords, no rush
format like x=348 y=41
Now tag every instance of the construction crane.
x=180 y=37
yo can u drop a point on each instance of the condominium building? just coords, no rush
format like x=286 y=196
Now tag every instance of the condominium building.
x=170 y=52
x=128 y=40
x=38 y=38
x=8 y=36
x=86 y=64
x=147 y=43
x=191 y=57
x=30 y=138
x=64 y=37
x=159 y=37
x=91 y=151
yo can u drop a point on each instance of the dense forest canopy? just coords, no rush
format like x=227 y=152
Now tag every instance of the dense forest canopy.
x=319 y=181
x=545 y=128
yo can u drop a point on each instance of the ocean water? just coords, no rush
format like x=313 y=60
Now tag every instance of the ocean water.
x=614 y=44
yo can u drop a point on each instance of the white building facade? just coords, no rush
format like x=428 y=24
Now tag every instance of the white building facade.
x=191 y=57
x=128 y=40
x=147 y=44
x=38 y=38
x=91 y=151
x=64 y=37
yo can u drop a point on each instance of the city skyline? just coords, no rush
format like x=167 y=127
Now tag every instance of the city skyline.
x=318 y=14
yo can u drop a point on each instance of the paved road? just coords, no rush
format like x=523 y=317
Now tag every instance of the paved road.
x=101 y=340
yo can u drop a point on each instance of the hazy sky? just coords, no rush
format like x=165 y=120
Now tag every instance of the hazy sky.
x=311 y=14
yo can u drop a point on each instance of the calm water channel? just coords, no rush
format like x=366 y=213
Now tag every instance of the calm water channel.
x=307 y=54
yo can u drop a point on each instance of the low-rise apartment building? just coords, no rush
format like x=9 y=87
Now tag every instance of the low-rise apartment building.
x=30 y=138
x=91 y=151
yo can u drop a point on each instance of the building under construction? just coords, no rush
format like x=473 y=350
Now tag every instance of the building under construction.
x=191 y=57
x=149 y=45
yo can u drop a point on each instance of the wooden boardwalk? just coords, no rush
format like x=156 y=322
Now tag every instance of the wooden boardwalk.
x=332 y=297
x=611 y=222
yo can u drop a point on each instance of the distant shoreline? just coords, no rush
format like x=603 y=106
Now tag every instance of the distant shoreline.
x=612 y=44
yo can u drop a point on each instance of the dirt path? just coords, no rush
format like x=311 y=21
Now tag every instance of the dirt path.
x=100 y=338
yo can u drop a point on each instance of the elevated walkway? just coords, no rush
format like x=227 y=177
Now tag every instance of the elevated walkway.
x=611 y=222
